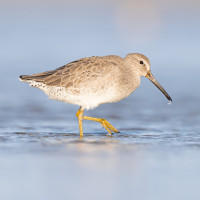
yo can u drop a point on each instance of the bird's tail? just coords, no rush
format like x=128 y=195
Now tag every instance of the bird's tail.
x=25 y=78
x=36 y=77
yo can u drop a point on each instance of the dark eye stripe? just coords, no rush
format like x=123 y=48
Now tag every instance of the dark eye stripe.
x=141 y=62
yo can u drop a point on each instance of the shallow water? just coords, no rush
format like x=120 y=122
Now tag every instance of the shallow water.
x=156 y=155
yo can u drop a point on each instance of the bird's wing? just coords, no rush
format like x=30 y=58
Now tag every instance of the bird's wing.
x=76 y=72
x=54 y=76
x=72 y=73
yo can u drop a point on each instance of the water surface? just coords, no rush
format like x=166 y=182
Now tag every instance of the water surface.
x=155 y=156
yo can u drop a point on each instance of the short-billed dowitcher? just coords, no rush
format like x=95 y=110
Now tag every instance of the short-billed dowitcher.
x=91 y=81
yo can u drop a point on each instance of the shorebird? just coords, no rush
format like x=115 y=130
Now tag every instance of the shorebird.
x=92 y=81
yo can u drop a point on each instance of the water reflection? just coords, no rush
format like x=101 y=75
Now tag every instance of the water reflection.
x=115 y=167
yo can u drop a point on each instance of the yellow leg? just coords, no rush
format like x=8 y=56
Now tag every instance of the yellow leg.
x=104 y=123
x=79 y=114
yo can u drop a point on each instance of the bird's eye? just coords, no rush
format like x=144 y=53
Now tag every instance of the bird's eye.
x=141 y=62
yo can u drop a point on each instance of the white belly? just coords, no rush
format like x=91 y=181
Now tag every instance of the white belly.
x=88 y=100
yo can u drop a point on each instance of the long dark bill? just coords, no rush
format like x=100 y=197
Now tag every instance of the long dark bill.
x=155 y=82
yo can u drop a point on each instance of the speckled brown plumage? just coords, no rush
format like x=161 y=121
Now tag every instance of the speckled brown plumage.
x=92 y=81
x=76 y=72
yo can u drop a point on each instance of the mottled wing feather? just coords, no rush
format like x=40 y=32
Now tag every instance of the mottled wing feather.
x=71 y=74
x=76 y=72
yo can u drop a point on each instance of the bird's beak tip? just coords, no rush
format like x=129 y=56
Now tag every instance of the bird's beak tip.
x=170 y=101
x=155 y=82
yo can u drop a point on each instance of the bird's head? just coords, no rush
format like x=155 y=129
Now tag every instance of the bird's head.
x=141 y=66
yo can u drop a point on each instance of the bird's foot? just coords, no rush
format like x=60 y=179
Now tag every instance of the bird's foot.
x=104 y=123
x=108 y=126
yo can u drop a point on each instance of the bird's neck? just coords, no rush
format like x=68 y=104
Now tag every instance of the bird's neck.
x=132 y=79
